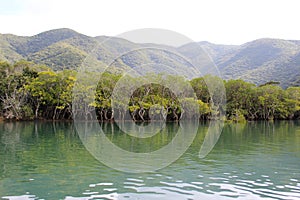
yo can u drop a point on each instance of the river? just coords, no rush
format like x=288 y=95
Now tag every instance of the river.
x=50 y=160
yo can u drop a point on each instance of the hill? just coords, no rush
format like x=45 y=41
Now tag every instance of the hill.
x=262 y=60
x=257 y=61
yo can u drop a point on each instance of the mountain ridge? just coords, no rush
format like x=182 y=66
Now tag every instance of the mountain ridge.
x=258 y=61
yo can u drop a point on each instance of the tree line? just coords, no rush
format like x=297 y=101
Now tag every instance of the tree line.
x=29 y=91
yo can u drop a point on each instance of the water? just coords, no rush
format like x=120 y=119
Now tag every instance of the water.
x=45 y=160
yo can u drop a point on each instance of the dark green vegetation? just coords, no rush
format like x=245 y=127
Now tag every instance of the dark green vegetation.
x=256 y=62
x=30 y=91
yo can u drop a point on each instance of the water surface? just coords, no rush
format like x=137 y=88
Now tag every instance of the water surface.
x=45 y=160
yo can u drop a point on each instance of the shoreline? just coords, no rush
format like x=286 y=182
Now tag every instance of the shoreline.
x=2 y=119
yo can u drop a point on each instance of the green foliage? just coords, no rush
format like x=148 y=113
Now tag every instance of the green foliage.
x=240 y=95
x=30 y=91
x=237 y=116
x=52 y=89
x=14 y=101
x=201 y=89
x=270 y=83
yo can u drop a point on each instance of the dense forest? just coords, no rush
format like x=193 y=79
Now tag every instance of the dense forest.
x=29 y=91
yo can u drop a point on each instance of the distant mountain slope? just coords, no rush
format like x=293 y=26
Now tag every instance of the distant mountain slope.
x=262 y=60
x=257 y=61
x=7 y=47
x=217 y=51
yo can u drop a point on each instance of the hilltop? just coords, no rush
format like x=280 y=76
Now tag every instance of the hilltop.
x=257 y=61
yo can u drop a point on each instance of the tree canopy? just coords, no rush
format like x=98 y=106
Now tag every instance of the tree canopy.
x=29 y=91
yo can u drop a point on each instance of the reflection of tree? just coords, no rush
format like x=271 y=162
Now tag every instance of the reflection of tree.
x=250 y=136
x=131 y=142
x=11 y=135
x=50 y=153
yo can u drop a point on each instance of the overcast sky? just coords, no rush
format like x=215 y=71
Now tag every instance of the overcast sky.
x=217 y=21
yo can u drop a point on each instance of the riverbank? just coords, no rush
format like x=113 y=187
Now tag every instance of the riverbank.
x=228 y=121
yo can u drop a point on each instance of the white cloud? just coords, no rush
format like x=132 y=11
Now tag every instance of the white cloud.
x=230 y=21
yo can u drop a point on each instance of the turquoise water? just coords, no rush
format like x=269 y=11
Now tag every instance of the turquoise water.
x=47 y=160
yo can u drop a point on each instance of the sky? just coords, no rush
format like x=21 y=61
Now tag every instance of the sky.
x=216 y=21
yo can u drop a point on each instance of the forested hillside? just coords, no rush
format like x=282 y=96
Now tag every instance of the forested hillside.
x=258 y=61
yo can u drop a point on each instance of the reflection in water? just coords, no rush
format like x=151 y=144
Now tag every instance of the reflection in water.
x=211 y=138
x=143 y=130
x=258 y=160
x=96 y=142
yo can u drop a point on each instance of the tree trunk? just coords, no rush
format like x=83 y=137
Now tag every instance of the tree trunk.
x=37 y=110
x=141 y=113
